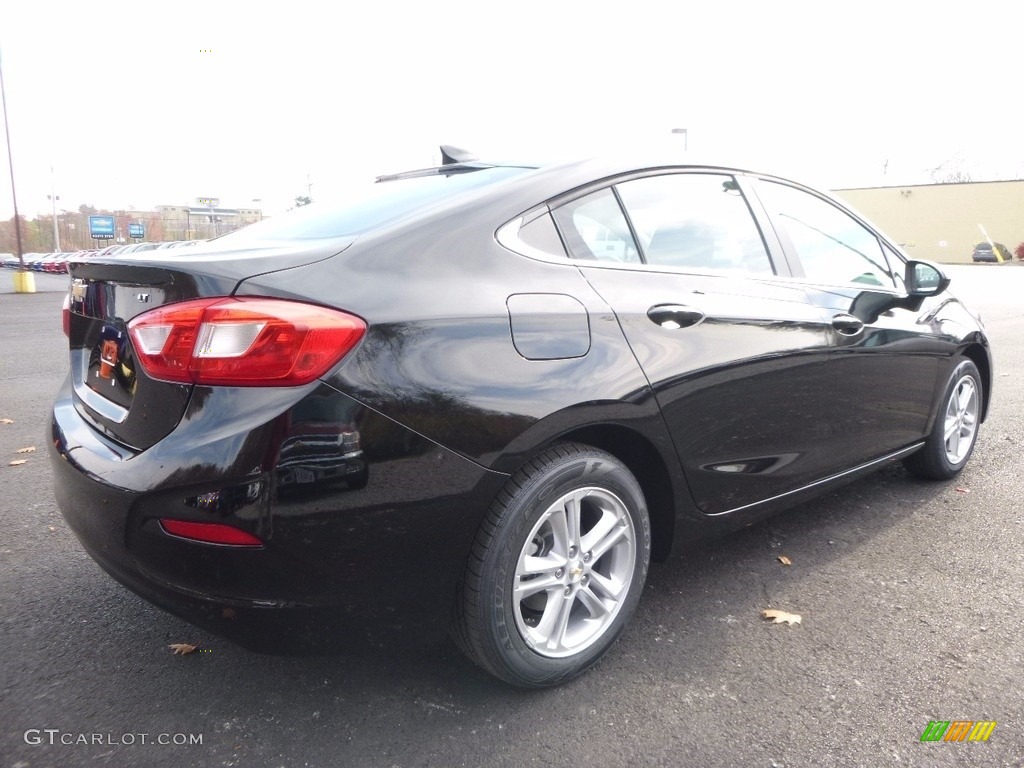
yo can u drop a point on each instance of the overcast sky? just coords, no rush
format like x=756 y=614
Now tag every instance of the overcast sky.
x=139 y=104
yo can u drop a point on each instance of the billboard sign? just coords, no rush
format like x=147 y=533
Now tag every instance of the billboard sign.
x=136 y=230
x=101 y=227
x=208 y=202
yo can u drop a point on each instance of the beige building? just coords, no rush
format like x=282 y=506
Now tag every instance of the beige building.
x=185 y=222
x=943 y=222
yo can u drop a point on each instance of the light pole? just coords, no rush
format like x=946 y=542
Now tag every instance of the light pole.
x=685 y=134
x=69 y=230
x=53 y=199
x=24 y=282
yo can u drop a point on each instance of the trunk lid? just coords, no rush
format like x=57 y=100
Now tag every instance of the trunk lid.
x=111 y=390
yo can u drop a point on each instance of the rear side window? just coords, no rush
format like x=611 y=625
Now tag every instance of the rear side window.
x=832 y=246
x=696 y=221
x=542 y=235
x=595 y=228
x=372 y=207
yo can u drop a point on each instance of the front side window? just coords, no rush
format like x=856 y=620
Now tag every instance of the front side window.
x=896 y=268
x=696 y=221
x=833 y=247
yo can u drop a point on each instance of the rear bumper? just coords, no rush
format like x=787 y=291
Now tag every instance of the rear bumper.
x=380 y=544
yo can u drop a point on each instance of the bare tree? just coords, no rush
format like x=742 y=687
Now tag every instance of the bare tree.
x=950 y=171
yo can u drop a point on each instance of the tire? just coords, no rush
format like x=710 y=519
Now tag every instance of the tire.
x=359 y=481
x=538 y=603
x=951 y=442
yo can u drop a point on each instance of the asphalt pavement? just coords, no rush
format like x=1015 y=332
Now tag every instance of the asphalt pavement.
x=911 y=595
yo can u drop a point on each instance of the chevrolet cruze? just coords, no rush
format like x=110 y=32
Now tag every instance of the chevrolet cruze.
x=494 y=392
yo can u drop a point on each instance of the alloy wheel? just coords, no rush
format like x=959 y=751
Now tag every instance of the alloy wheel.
x=961 y=425
x=574 y=572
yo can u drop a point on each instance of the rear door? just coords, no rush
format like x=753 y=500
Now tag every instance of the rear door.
x=736 y=358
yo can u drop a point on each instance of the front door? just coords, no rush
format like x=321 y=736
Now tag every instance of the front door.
x=885 y=363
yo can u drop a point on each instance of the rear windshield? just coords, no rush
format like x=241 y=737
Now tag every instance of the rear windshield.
x=372 y=207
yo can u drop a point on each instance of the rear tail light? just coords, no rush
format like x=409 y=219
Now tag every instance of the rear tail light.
x=209 y=533
x=66 y=315
x=243 y=342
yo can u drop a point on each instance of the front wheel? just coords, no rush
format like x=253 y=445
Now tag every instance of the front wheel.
x=952 y=439
x=556 y=569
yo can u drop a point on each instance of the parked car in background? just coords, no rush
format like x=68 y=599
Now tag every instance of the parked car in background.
x=495 y=392
x=142 y=247
x=126 y=249
x=991 y=252
x=54 y=263
x=34 y=261
x=80 y=255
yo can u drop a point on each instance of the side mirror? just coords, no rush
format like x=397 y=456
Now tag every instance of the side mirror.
x=923 y=278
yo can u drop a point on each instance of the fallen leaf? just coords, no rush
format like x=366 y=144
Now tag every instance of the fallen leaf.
x=6 y=421
x=963 y=490
x=17 y=462
x=785 y=560
x=781 y=617
x=53 y=529
x=30 y=449
x=182 y=649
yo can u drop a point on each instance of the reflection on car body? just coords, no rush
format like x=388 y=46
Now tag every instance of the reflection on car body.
x=317 y=450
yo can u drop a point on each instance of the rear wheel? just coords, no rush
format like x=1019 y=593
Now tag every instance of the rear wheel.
x=952 y=440
x=556 y=569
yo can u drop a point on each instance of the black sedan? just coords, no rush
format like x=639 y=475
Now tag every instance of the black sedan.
x=494 y=392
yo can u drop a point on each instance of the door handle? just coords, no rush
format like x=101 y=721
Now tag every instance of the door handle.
x=847 y=325
x=673 y=316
